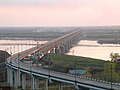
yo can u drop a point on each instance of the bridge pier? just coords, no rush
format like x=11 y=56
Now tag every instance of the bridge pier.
x=36 y=83
x=52 y=51
x=66 y=47
x=23 y=81
x=46 y=84
x=60 y=86
x=33 y=82
x=57 y=50
x=11 y=76
x=8 y=75
x=62 y=49
x=17 y=80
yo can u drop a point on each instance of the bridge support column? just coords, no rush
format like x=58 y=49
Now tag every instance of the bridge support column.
x=33 y=82
x=57 y=50
x=68 y=45
x=62 y=49
x=8 y=75
x=11 y=77
x=17 y=79
x=36 y=83
x=23 y=81
x=46 y=84
x=65 y=48
x=53 y=50
x=60 y=86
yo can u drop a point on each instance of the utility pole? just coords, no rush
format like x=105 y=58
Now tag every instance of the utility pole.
x=76 y=86
x=37 y=54
x=49 y=60
x=111 y=76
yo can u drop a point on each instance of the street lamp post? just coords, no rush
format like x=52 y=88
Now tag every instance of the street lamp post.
x=76 y=86
x=37 y=55
x=49 y=61
x=111 y=76
x=18 y=57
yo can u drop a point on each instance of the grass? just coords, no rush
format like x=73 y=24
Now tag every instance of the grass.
x=64 y=63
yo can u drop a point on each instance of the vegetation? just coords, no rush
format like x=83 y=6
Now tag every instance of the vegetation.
x=64 y=63
x=99 y=69
x=3 y=56
x=114 y=57
x=34 y=33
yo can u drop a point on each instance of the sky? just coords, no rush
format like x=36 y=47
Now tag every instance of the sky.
x=59 y=12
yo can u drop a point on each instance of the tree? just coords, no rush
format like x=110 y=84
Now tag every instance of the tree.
x=107 y=72
x=114 y=56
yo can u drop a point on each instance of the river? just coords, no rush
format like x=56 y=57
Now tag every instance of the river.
x=15 y=46
x=92 y=49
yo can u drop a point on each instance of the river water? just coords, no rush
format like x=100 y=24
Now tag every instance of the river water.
x=15 y=46
x=84 y=48
x=92 y=49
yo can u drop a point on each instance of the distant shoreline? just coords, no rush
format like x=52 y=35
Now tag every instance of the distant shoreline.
x=108 y=41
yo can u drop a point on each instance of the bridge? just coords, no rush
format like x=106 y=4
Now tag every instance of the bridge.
x=16 y=69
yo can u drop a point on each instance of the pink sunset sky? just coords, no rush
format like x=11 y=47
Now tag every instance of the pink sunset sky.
x=59 y=12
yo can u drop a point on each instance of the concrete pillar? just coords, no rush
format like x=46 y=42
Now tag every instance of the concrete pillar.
x=17 y=79
x=53 y=50
x=33 y=82
x=11 y=76
x=62 y=49
x=66 y=47
x=70 y=44
x=57 y=50
x=23 y=81
x=46 y=84
x=60 y=86
x=8 y=75
x=76 y=87
x=36 y=83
